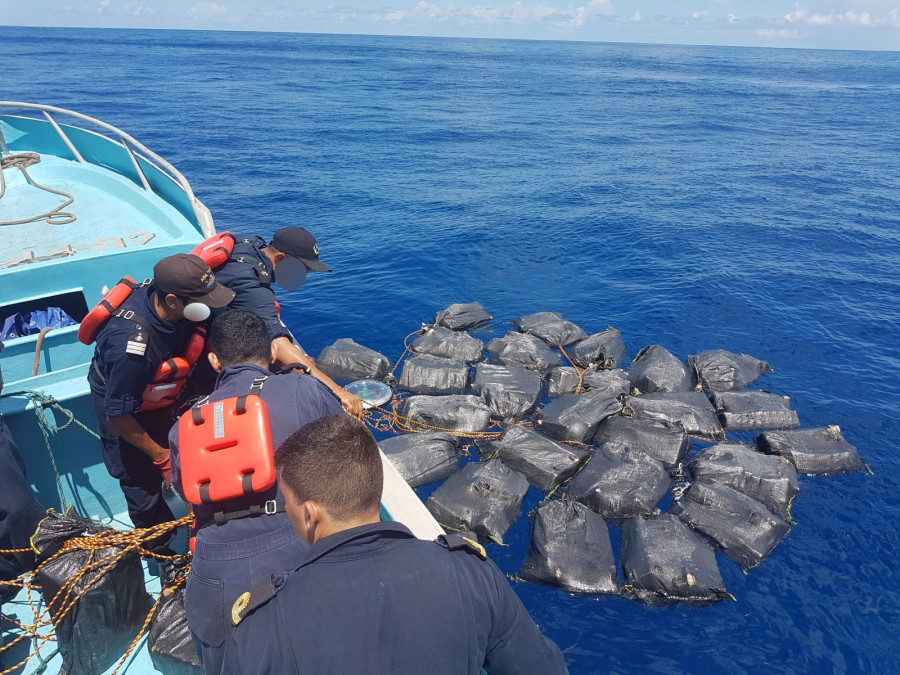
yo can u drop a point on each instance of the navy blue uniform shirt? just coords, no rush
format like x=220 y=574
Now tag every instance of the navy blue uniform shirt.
x=293 y=400
x=251 y=281
x=125 y=375
x=374 y=599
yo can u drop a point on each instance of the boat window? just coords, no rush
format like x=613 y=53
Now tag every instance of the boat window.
x=72 y=303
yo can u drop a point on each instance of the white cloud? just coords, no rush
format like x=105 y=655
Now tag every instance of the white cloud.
x=731 y=17
x=784 y=33
x=104 y=5
x=636 y=17
x=208 y=10
x=862 y=19
x=700 y=15
x=517 y=13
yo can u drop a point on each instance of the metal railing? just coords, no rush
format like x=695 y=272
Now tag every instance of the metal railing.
x=134 y=148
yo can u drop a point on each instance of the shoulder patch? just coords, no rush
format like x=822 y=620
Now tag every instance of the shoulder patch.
x=137 y=344
x=459 y=542
x=248 y=601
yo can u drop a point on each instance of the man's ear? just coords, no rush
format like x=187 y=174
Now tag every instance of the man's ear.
x=214 y=362
x=273 y=352
x=171 y=301
x=278 y=258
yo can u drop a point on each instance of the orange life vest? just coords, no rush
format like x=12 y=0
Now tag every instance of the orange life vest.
x=170 y=376
x=226 y=450
x=216 y=250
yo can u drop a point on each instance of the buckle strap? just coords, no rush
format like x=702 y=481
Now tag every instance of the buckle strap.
x=269 y=508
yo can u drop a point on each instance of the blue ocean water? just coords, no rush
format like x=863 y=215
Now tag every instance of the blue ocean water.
x=694 y=197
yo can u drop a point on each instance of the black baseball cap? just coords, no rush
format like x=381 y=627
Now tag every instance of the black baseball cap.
x=188 y=276
x=299 y=243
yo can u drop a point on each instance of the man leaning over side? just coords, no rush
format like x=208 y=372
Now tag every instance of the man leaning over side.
x=368 y=596
x=243 y=540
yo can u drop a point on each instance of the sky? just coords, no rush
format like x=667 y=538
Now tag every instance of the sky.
x=821 y=24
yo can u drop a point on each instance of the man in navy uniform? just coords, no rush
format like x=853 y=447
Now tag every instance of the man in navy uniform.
x=20 y=511
x=368 y=597
x=244 y=540
x=148 y=328
x=286 y=260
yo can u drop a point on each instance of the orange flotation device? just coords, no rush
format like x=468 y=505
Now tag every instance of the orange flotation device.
x=93 y=322
x=226 y=450
x=216 y=250
x=171 y=375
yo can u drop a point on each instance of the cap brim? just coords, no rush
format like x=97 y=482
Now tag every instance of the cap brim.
x=315 y=265
x=218 y=297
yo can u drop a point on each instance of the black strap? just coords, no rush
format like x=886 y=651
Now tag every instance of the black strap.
x=258 y=266
x=291 y=367
x=133 y=316
x=268 y=508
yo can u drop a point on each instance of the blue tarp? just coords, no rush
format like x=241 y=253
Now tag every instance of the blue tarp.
x=29 y=323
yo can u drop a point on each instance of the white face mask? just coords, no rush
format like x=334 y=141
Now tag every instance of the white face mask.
x=196 y=312
x=290 y=273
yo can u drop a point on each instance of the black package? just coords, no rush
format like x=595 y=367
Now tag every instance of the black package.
x=745 y=410
x=719 y=370
x=456 y=345
x=575 y=417
x=570 y=548
x=422 y=458
x=457 y=412
x=484 y=498
x=462 y=316
x=664 y=442
x=523 y=351
x=426 y=374
x=550 y=327
x=545 y=463
x=510 y=392
x=601 y=350
x=346 y=360
x=169 y=639
x=813 y=451
x=690 y=410
x=656 y=369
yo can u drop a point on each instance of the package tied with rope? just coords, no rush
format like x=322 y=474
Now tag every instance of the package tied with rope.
x=656 y=369
x=456 y=345
x=550 y=327
x=422 y=458
x=169 y=640
x=96 y=596
x=347 y=360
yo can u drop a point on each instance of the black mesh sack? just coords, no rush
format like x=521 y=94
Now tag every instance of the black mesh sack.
x=570 y=548
x=619 y=482
x=745 y=410
x=422 y=458
x=718 y=370
x=95 y=633
x=523 y=351
x=425 y=374
x=663 y=442
x=346 y=360
x=602 y=350
x=814 y=452
x=564 y=380
x=575 y=417
x=665 y=562
x=484 y=498
x=511 y=392
x=455 y=412
x=550 y=327
x=768 y=479
x=544 y=463
x=456 y=345
x=656 y=369
x=462 y=316
x=169 y=640
x=690 y=410
x=745 y=530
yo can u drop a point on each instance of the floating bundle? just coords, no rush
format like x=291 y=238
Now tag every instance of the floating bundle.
x=510 y=392
x=550 y=327
x=545 y=463
x=347 y=360
x=456 y=345
x=664 y=442
x=426 y=374
x=813 y=451
x=656 y=369
x=423 y=458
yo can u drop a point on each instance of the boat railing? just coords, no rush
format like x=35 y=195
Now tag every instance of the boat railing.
x=135 y=149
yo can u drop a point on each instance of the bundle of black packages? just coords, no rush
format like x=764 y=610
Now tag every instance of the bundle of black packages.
x=545 y=463
x=511 y=392
x=169 y=639
x=462 y=316
x=745 y=530
x=550 y=327
x=665 y=562
x=112 y=601
x=456 y=345
x=662 y=441
x=575 y=417
x=601 y=350
x=619 y=482
x=570 y=548
x=523 y=351
x=346 y=360
x=656 y=369
x=746 y=410
x=422 y=458
x=719 y=370
x=816 y=452
x=690 y=410
x=484 y=498
x=426 y=374
x=564 y=380
x=768 y=479
x=462 y=413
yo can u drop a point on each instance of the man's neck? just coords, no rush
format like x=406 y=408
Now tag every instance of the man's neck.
x=161 y=310
x=330 y=526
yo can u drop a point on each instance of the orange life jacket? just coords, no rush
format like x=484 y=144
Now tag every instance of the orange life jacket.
x=170 y=376
x=216 y=250
x=226 y=450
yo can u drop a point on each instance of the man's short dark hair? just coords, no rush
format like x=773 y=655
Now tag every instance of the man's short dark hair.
x=334 y=461
x=240 y=336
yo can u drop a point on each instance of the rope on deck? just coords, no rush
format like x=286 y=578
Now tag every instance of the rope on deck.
x=22 y=161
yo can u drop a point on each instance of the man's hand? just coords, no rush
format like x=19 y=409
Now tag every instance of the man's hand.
x=351 y=402
x=166 y=470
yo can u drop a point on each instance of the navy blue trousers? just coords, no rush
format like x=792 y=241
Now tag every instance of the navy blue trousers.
x=140 y=480
x=20 y=513
x=222 y=571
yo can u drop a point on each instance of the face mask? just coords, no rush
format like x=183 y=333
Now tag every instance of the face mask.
x=196 y=312
x=290 y=273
